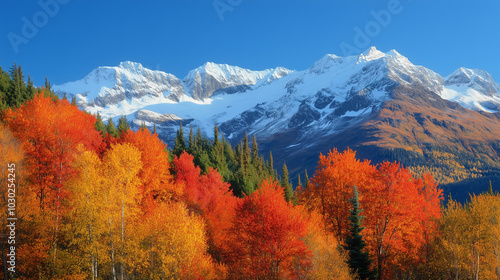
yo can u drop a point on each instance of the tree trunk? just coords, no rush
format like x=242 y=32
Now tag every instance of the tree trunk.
x=112 y=251
x=122 y=267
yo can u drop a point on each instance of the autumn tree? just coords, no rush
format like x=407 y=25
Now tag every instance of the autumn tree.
x=122 y=165
x=157 y=182
x=210 y=196
x=268 y=236
x=88 y=225
x=51 y=131
x=400 y=210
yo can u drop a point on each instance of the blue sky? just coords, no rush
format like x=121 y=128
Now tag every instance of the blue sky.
x=72 y=37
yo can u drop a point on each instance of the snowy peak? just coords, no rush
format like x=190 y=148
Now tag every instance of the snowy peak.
x=207 y=79
x=370 y=54
x=131 y=66
x=472 y=88
x=476 y=79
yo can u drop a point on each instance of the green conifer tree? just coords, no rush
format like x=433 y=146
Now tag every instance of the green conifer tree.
x=285 y=184
x=255 y=153
x=17 y=87
x=123 y=125
x=306 y=180
x=271 y=164
x=191 y=140
x=359 y=261
x=111 y=129
x=216 y=136
x=180 y=142
x=100 y=126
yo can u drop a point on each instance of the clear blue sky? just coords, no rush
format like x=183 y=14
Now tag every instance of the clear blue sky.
x=178 y=35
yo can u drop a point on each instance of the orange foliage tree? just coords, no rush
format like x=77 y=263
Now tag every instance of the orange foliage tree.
x=157 y=182
x=50 y=131
x=269 y=236
x=401 y=211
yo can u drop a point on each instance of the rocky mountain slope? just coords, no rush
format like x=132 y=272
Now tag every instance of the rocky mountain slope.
x=377 y=103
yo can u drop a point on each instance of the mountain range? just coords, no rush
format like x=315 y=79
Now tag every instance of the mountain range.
x=379 y=104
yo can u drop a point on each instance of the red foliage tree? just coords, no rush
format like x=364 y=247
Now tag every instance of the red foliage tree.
x=51 y=131
x=212 y=197
x=401 y=211
x=268 y=236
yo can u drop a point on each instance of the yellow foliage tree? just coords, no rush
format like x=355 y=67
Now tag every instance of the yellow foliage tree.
x=121 y=166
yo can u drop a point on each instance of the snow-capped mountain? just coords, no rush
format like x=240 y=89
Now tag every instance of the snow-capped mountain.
x=472 y=88
x=129 y=87
x=373 y=102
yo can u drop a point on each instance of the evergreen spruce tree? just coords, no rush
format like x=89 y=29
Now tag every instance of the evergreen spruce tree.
x=154 y=128
x=99 y=125
x=143 y=126
x=299 y=182
x=111 y=129
x=30 y=90
x=4 y=88
x=271 y=165
x=123 y=125
x=216 y=136
x=255 y=154
x=359 y=261
x=180 y=142
x=285 y=184
x=191 y=141
x=17 y=87
x=198 y=142
x=306 y=180
x=73 y=101
x=246 y=153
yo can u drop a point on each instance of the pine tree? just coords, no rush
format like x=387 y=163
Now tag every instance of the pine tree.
x=299 y=182
x=143 y=126
x=100 y=126
x=359 y=261
x=285 y=184
x=198 y=142
x=30 y=90
x=180 y=142
x=255 y=153
x=191 y=141
x=306 y=180
x=246 y=153
x=111 y=129
x=73 y=101
x=271 y=164
x=17 y=87
x=154 y=128
x=4 y=88
x=123 y=125
x=216 y=136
